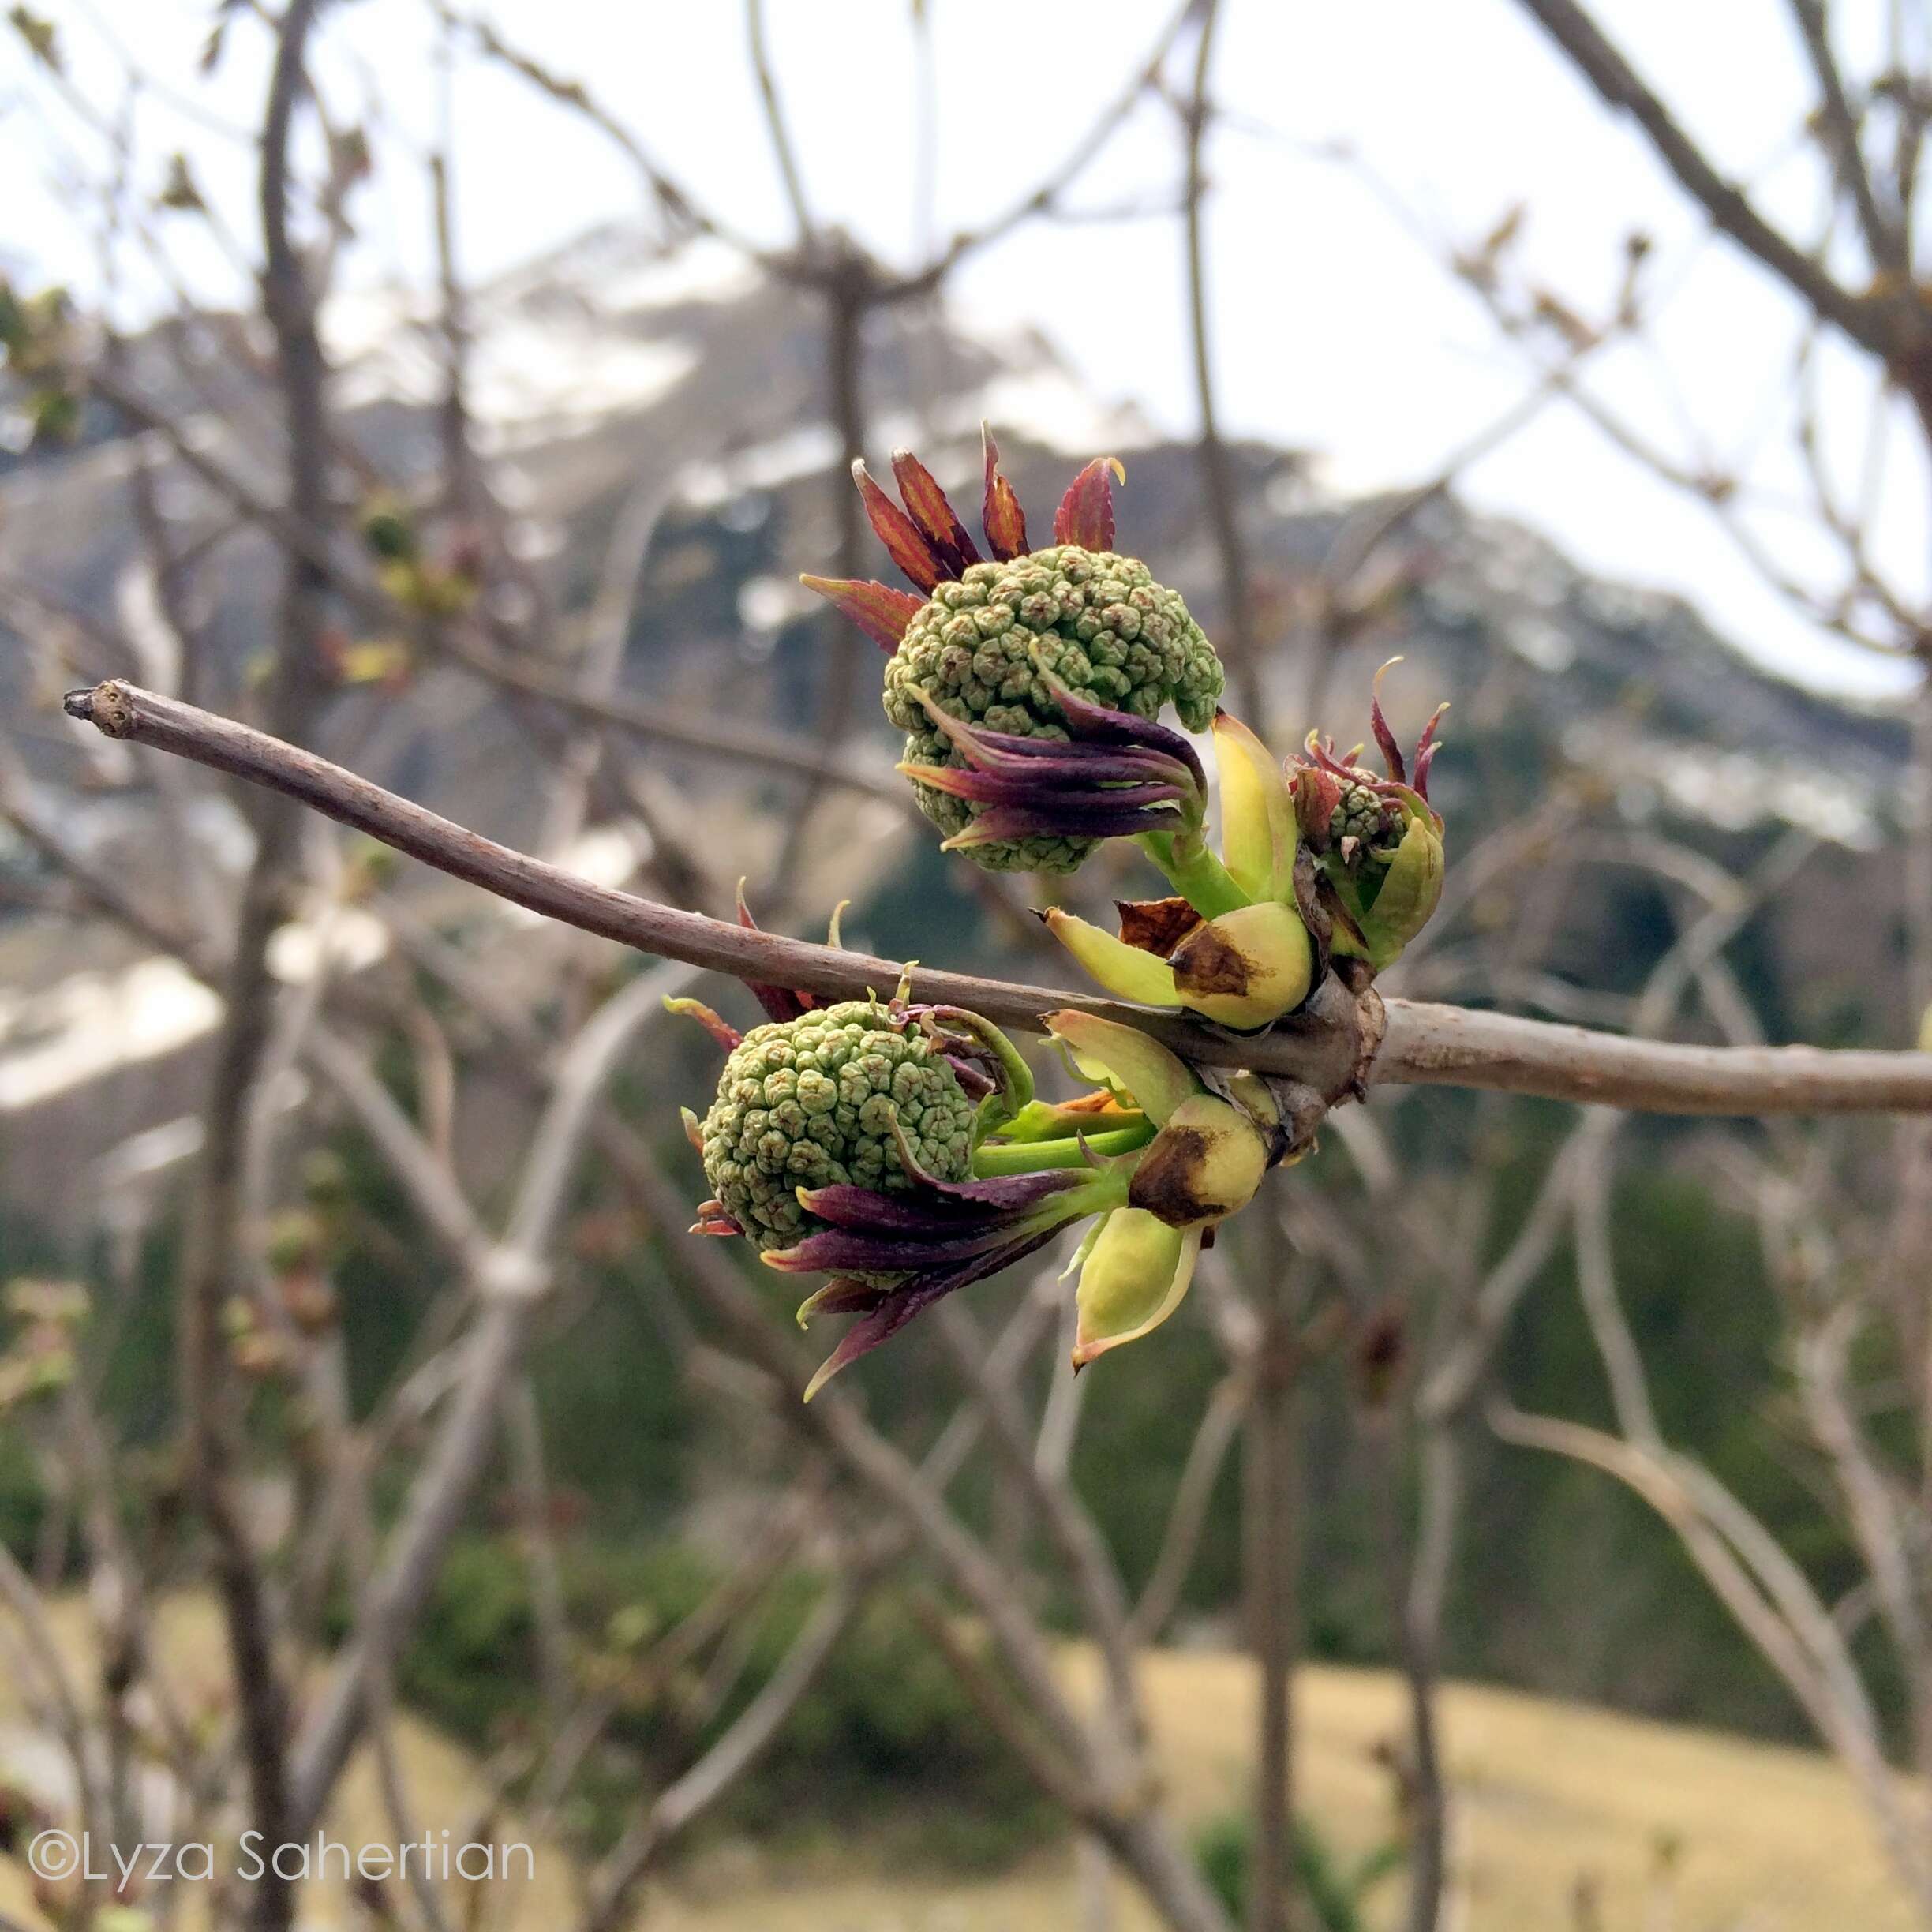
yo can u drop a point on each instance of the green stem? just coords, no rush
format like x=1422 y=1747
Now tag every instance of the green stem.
x=1016 y=1089
x=1106 y=1191
x=1045 y=1121
x=1194 y=872
x=1037 y=1156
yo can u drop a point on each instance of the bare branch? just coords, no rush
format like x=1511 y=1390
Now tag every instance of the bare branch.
x=745 y=744
x=671 y=196
x=1044 y=198
x=509 y=1283
x=1452 y=1046
x=1220 y=1422
x=1879 y=1517
x=1003 y=1714
x=775 y=122
x=1767 y=1595
x=1839 y=133
x=1425 y=1044
x=1072 y=1526
x=1217 y=474
x=212 y=1256
x=727 y=1761
x=1619 y=85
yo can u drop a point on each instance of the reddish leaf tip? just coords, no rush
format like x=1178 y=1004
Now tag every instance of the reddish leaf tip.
x=1000 y=514
x=932 y=515
x=904 y=541
x=882 y=612
x=1086 y=514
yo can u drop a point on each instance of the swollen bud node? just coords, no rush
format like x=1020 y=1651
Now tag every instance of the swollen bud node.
x=1203 y=1165
x=1246 y=968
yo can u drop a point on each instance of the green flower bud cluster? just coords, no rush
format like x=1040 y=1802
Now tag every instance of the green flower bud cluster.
x=1363 y=815
x=811 y=1101
x=1031 y=688
x=1096 y=621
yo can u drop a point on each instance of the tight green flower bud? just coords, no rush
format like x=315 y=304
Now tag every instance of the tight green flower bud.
x=1203 y=1165
x=1246 y=968
x=1097 y=621
x=1136 y=1274
x=897 y=1149
x=820 y=1100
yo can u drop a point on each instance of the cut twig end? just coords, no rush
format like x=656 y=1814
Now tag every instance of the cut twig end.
x=108 y=707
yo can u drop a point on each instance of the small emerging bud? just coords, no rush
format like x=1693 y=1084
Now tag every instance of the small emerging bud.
x=1380 y=1352
x=1246 y=968
x=1411 y=887
x=1203 y=1165
x=1317 y=794
x=389 y=531
x=1378 y=842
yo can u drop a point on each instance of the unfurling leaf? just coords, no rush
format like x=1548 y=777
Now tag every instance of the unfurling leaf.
x=905 y=543
x=1259 y=835
x=938 y=523
x=1127 y=1059
x=1135 y=1275
x=882 y=612
x=1124 y=970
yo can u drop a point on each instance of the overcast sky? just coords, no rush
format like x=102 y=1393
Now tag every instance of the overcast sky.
x=1336 y=327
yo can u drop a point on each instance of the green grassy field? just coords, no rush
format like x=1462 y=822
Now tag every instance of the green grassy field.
x=1671 y=1830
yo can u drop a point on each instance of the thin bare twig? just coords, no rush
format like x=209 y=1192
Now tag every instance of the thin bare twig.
x=212 y=1254
x=1425 y=1044
x=1885 y=243
x=1219 y=1423
x=789 y=170
x=1765 y=1592
x=1217 y=472
x=1569 y=25
x=749 y=1736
